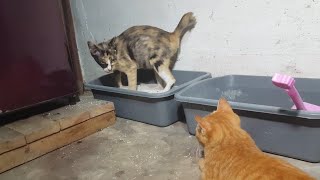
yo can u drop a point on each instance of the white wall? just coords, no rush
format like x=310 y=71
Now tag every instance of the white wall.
x=257 y=37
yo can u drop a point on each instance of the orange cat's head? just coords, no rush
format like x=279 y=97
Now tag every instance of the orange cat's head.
x=214 y=127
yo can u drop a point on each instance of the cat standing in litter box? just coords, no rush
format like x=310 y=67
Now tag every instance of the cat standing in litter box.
x=143 y=47
x=231 y=154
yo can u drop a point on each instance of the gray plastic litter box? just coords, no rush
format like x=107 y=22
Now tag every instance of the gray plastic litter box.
x=265 y=112
x=160 y=109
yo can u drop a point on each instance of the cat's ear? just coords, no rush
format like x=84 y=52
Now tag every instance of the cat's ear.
x=91 y=45
x=94 y=49
x=203 y=123
x=223 y=105
x=198 y=118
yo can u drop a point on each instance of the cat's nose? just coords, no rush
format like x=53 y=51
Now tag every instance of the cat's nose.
x=106 y=70
x=109 y=67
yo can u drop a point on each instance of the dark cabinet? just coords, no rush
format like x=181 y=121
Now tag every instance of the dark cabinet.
x=34 y=62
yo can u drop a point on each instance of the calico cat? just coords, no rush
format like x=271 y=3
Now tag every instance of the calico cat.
x=231 y=154
x=142 y=47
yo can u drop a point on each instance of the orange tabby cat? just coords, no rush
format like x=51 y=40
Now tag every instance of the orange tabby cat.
x=231 y=154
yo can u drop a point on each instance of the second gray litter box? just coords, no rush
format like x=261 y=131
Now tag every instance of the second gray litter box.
x=160 y=109
x=265 y=112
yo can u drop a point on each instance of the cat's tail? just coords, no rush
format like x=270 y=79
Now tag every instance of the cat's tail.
x=187 y=22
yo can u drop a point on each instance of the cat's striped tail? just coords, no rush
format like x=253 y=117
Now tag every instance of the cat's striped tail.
x=187 y=22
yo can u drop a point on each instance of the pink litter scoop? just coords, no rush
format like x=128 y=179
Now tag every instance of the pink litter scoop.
x=287 y=83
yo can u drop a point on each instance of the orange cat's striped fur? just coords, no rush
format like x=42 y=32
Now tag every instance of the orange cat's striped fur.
x=231 y=154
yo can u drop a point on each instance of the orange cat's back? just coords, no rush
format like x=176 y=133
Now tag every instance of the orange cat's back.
x=230 y=153
x=251 y=165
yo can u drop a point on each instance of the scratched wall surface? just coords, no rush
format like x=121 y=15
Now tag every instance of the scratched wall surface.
x=231 y=37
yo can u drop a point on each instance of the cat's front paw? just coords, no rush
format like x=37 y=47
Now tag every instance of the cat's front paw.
x=201 y=164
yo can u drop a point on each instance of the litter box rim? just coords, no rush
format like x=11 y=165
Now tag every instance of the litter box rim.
x=171 y=92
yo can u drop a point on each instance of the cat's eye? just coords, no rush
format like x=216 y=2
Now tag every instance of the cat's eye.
x=200 y=130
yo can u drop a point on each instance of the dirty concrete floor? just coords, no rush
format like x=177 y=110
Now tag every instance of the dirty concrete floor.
x=127 y=150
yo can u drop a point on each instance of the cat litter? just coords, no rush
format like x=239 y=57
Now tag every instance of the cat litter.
x=148 y=88
x=265 y=112
x=146 y=104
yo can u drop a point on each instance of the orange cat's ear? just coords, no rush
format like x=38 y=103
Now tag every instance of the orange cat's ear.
x=202 y=123
x=223 y=105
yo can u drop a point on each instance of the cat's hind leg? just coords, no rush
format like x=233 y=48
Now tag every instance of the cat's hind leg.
x=165 y=73
x=159 y=80
x=167 y=76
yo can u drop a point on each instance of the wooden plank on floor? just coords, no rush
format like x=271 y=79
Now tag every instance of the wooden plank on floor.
x=72 y=134
x=102 y=108
x=68 y=117
x=10 y=139
x=40 y=147
x=35 y=127
x=13 y=158
x=74 y=114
